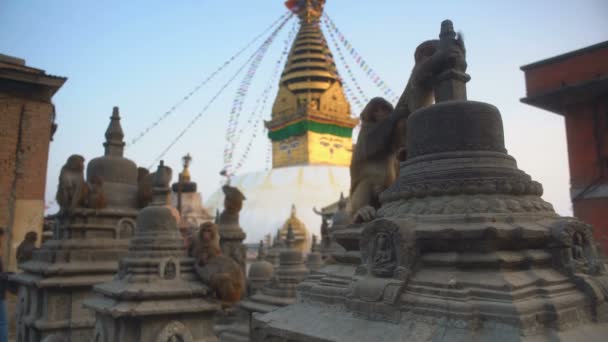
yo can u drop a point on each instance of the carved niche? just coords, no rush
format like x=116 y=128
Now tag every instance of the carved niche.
x=125 y=228
x=175 y=331
x=169 y=269
x=574 y=248
x=388 y=249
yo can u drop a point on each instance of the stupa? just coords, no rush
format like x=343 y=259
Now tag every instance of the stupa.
x=272 y=254
x=463 y=248
x=188 y=201
x=314 y=259
x=281 y=290
x=85 y=249
x=300 y=232
x=311 y=135
x=260 y=271
x=156 y=294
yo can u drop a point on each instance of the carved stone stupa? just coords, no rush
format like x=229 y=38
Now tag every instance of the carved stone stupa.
x=281 y=290
x=156 y=295
x=463 y=248
x=96 y=221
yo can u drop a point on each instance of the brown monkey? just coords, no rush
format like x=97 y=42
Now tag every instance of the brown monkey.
x=374 y=164
x=221 y=273
x=382 y=140
x=145 y=180
x=72 y=189
x=26 y=248
x=97 y=197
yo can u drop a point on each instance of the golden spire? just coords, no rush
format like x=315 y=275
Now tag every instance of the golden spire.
x=311 y=118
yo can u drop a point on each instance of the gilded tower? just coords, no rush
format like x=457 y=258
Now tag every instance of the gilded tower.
x=311 y=119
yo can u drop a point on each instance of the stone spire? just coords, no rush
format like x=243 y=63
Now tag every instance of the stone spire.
x=156 y=284
x=114 y=145
x=314 y=260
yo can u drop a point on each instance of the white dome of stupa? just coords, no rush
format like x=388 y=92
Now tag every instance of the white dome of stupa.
x=271 y=194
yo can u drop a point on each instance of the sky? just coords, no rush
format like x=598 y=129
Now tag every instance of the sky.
x=146 y=55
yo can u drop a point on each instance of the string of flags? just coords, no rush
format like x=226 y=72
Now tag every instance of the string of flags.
x=260 y=110
x=241 y=94
x=213 y=99
x=367 y=69
x=189 y=95
x=348 y=90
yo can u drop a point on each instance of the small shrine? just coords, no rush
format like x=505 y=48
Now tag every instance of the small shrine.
x=95 y=223
x=156 y=295
x=281 y=290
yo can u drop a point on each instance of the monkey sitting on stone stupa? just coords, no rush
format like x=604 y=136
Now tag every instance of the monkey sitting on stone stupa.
x=72 y=189
x=382 y=140
x=220 y=272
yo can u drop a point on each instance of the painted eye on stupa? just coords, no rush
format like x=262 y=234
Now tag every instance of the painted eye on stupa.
x=324 y=143
x=294 y=144
x=338 y=146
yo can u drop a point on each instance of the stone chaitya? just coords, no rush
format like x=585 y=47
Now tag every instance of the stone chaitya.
x=96 y=221
x=461 y=248
x=156 y=294
x=236 y=329
x=281 y=290
x=272 y=255
x=260 y=271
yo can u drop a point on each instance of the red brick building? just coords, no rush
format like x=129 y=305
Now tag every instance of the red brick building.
x=27 y=122
x=575 y=85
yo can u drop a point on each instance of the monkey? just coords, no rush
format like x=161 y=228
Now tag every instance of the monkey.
x=381 y=144
x=72 y=190
x=97 y=197
x=26 y=248
x=220 y=272
x=145 y=180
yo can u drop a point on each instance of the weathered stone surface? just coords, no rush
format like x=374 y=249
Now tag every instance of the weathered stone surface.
x=156 y=295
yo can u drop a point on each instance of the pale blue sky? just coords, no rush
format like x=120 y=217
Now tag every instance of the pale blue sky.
x=144 y=55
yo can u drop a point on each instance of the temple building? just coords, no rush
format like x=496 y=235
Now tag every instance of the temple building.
x=575 y=85
x=311 y=134
x=27 y=124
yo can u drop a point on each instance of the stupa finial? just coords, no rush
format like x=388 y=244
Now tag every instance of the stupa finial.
x=114 y=145
x=314 y=247
x=161 y=180
x=451 y=84
x=261 y=251
x=290 y=238
x=185 y=175
x=293 y=210
x=307 y=10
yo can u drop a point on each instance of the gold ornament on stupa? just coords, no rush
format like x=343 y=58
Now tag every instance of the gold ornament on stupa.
x=299 y=231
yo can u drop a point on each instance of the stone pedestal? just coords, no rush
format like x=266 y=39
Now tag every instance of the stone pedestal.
x=463 y=249
x=156 y=295
x=84 y=251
